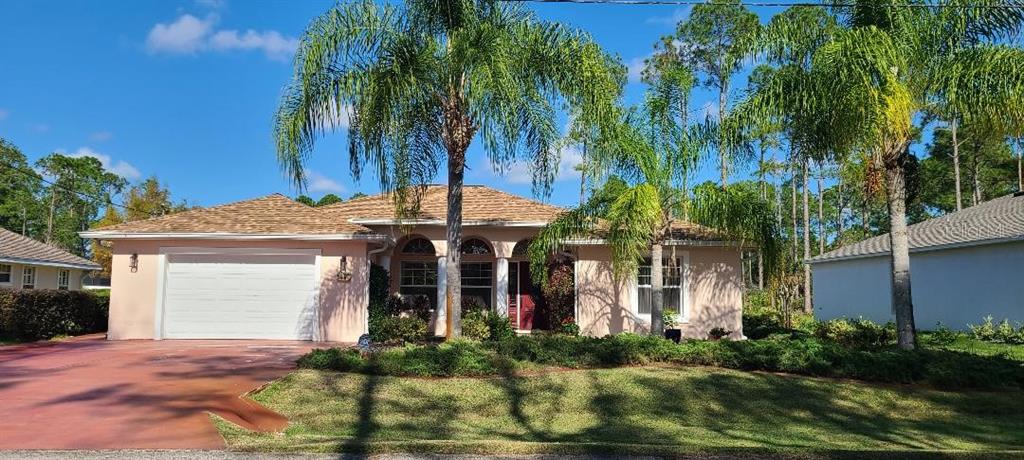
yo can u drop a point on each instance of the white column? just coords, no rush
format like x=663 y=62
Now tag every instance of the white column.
x=442 y=296
x=502 y=287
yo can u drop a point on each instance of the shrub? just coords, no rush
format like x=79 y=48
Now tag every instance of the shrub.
x=795 y=353
x=558 y=303
x=718 y=333
x=392 y=329
x=943 y=336
x=859 y=333
x=499 y=327
x=985 y=331
x=474 y=326
x=39 y=314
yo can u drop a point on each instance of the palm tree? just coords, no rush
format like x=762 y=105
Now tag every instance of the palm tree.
x=869 y=84
x=415 y=84
x=638 y=206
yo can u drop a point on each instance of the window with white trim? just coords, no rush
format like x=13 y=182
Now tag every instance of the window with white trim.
x=28 y=278
x=672 y=285
x=63 y=279
x=418 y=278
x=477 y=279
x=5 y=274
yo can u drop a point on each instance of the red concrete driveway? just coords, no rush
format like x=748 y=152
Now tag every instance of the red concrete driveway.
x=89 y=393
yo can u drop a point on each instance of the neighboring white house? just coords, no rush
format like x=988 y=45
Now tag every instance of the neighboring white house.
x=963 y=266
x=29 y=264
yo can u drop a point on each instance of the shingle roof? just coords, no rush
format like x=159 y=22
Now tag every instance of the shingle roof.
x=997 y=220
x=270 y=215
x=479 y=204
x=16 y=248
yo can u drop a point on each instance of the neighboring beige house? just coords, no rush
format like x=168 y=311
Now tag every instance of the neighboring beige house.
x=963 y=266
x=276 y=269
x=29 y=264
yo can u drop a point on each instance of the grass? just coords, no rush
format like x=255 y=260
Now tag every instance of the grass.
x=967 y=344
x=634 y=410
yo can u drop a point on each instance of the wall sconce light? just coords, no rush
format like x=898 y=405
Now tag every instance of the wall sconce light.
x=344 y=273
x=133 y=263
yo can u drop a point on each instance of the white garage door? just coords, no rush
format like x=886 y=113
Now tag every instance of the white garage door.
x=240 y=296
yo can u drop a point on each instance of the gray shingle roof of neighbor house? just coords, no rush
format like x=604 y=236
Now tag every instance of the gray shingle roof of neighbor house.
x=995 y=221
x=19 y=249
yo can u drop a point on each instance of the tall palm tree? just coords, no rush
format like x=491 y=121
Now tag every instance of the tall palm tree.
x=417 y=83
x=638 y=207
x=872 y=80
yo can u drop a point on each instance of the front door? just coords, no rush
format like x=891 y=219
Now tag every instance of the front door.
x=521 y=298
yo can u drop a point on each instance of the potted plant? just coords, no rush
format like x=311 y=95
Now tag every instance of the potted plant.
x=718 y=333
x=671 y=332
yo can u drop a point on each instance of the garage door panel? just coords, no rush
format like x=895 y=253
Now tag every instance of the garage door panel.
x=240 y=296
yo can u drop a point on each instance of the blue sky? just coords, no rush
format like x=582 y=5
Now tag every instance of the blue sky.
x=186 y=90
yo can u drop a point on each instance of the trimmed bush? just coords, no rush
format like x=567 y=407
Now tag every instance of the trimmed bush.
x=860 y=333
x=39 y=314
x=398 y=329
x=795 y=353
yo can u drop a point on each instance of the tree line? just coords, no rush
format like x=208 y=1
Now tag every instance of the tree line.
x=54 y=198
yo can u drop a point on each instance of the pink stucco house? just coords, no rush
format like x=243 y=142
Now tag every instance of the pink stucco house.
x=272 y=268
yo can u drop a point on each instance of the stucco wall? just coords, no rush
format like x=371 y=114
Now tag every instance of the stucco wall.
x=46 y=277
x=713 y=283
x=133 y=295
x=954 y=286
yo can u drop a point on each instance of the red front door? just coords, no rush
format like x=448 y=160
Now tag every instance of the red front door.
x=525 y=299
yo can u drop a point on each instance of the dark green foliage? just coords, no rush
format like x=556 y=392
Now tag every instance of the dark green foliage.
x=717 y=333
x=793 y=353
x=392 y=329
x=943 y=336
x=486 y=325
x=393 y=320
x=37 y=314
x=558 y=307
x=328 y=199
x=305 y=200
x=380 y=283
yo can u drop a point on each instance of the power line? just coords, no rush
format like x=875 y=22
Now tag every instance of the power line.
x=764 y=4
x=104 y=201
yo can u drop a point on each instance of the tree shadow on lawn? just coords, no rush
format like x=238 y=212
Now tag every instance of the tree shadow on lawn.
x=678 y=408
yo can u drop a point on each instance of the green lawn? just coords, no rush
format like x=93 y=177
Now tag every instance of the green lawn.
x=652 y=410
x=977 y=347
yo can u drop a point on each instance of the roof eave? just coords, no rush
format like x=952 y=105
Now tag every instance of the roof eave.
x=465 y=223
x=938 y=247
x=48 y=263
x=692 y=243
x=112 y=235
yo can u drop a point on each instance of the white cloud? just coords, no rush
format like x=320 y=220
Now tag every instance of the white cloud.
x=119 y=167
x=520 y=173
x=319 y=183
x=186 y=35
x=212 y=4
x=191 y=35
x=678 y=15
x=636 y=68
x=100 y=136
x=39 y=127
x=4 y=114
x=271 y=42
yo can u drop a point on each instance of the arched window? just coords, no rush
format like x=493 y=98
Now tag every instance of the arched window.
x=418 y=246
x=522 y=247
x=475 y=246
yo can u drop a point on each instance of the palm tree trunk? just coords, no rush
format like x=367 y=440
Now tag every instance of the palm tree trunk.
x=49 y=219
x=975 y=180
x=840 y=207
x=796 y=234
x=1020 y=172
x=956 y=164
x=723 y=156
x=453 y=268
x=821 y=209
x=902 y=304
x=657 y=292
x=808 y=305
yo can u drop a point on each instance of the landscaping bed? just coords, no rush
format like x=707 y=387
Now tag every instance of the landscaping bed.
x=634 y=410
x=943 y=366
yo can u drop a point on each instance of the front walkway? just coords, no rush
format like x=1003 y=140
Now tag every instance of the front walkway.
x=90 y=393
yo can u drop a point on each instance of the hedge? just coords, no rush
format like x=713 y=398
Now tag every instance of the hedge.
x=39 y=314
x=794 y=353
